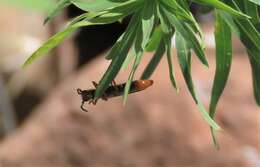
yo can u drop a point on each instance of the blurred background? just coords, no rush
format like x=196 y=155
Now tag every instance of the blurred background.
x=41 y=123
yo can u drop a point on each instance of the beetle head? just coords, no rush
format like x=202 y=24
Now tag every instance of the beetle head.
x=85 y=94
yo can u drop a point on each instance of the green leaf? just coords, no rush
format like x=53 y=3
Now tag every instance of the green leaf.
x=155 y=40
x=129 y=58
x=184 y=4
x=223 y=40
x=143 y=35
x=249 y=35
x=182 y=13
x=147 y=23
x=255 y=1
x=184 y=56
x=35 y=5
x=188 y=34
x=57 y=9
x=230 y=21
x=255 y=74
x=114 y=51
x=165 y=24
x=84 y=16
x=168 y=44
x=121 y=10
x=206 y=116
x=106 y=18
x=138 y=58
x=246 y=31
x=253 y=53
x=154 y=61
x=60 y=36
x=255 y=66
x=96 y=5
x=118 y=60
x=178 y=11
x=220 y=5
x=50 y=44
x=251 y=9
x=205 y=9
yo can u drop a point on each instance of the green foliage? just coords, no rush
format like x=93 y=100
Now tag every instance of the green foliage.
x=153 y=24
x=223 y=40
x=36 y=5
x=61 y=5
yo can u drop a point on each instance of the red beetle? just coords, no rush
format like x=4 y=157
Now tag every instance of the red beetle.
x=112 y=91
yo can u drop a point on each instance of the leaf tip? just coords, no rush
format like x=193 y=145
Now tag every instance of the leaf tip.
x=216 y=127
x=25 y=64
x=177 y=89
x=124 y=100
x=46 y=20
x=258 y=102
x=214 y=139
x=206 y=63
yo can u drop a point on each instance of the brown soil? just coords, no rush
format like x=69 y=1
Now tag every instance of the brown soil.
x=157 y=128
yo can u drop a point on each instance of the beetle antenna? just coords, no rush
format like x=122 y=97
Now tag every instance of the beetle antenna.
x=82 y=106
x=79 y=91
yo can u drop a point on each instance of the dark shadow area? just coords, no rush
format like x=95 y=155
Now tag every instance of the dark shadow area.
x=24 y=103
x=93 y=40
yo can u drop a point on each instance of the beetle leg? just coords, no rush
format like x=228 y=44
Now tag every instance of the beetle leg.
x=82 y=107
x=95 y=84
x=104 y=97
x=113 y=83
x=79 y=91
x=94 y=102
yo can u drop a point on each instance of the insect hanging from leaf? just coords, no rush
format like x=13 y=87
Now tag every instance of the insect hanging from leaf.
x=113 y=90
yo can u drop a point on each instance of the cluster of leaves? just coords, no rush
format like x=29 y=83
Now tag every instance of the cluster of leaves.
x=152 y=27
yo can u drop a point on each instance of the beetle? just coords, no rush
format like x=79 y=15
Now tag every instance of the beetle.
x=113 y=90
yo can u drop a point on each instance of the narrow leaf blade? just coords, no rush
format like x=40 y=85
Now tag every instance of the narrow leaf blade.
x=223 y=39
x=184 y=56
x=50 y=44
x=58 y=8
x=154 y=61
